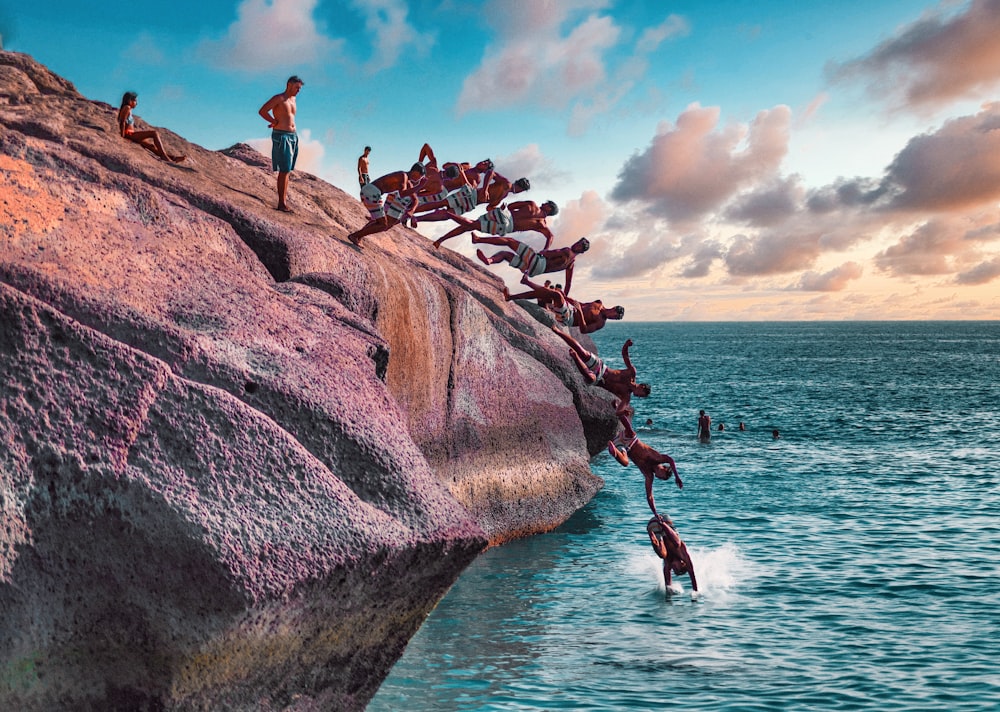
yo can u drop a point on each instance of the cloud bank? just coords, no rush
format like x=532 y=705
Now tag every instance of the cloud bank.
x=705 y=196
x=939 y=58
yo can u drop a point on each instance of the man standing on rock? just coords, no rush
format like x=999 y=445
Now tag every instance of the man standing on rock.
x=363 y=176
x=279 y=113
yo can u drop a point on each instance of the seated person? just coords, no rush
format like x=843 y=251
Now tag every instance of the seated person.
x=126 y=126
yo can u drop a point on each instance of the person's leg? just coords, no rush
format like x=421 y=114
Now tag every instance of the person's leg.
x=433 y=206
x=495 y=259
x=141 y=137
x=554 y=297
x=620 y=455
x=436 y=216
x=508 y=242
x=533 y=294
x=581 y=365
x=580 y=355
x=578 y=350
x=464 y=225
x=282 y=190
x=373 y=227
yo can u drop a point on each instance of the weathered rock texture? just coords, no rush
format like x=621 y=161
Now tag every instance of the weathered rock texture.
x=240 y=459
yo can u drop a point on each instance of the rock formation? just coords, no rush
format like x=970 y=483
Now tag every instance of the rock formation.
x=242 y=459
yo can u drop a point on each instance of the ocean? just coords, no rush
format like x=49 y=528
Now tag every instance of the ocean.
x=851 y=564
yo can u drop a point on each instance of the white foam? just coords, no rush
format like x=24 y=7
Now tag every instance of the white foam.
x=720 y=572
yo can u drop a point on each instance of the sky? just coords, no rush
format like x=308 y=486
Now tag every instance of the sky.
x=729 y=161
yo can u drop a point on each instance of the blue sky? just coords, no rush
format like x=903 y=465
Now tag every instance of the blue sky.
x=728 y=160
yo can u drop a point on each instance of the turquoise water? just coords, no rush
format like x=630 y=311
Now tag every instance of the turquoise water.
x=853 y=564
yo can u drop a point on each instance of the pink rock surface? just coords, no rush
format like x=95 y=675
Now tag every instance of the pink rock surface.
x=241 y=458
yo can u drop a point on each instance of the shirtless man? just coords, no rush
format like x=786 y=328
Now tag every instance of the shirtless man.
x=533 y=263
x=279 y=113
x=522 y=216
x=434 y=189
x=363 y=176
x=464 y=193
x=704 y=426
x=588 y=317
x=618 y=382
x=651 y=463
x=400 y=187
x=499 y=188
x=668 y=546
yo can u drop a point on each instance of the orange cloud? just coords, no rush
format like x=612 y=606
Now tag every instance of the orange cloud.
x=580 y=218
x=693 y=168
x=833 y=281
x=938 y=58
x=954 y=168
x=945 y=245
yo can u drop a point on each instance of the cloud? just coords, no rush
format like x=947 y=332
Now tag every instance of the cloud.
x=645 y=254
x=833 y=281
x=392 y=34
x=954 y=168
x=694 y=167
x=936 y=59
x=774 y=252
x=981 y=273
x=144 y=49
x=541 y=67
x=579 y=218
x=812 y=109
x=925 y=251
x=767 y=204
x=944 y=244
x=531 y=163
x=269 y=34
x=558 y=54
x=652 y=37
x=706 y=254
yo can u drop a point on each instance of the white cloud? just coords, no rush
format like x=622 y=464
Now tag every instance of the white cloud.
x=560 y=54
x=652 y=37
x=529 y=162
x=269 y=34
x=392 y=34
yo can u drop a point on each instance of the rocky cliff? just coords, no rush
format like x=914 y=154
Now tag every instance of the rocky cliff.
x=240 y=458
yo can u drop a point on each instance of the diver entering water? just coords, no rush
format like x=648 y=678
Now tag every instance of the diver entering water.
x=668 y=546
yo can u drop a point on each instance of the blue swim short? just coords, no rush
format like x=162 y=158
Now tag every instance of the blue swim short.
x=284 y=150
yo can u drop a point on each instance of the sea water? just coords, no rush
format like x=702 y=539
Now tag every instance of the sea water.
x=851 y=564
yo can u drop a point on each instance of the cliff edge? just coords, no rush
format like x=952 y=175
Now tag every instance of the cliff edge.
x=241 y=458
